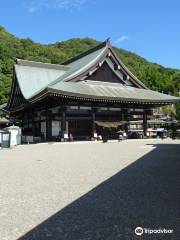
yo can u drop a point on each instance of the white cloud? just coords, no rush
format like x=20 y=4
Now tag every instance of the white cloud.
x=33 y=9
x=121 y=39
x=36 y=5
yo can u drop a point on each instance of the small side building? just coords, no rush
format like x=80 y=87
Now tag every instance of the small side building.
x=4 y=122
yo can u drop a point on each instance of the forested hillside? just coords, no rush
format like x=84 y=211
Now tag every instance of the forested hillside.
x=156 y=77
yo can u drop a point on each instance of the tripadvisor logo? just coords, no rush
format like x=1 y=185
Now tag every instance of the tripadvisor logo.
x=139 y=231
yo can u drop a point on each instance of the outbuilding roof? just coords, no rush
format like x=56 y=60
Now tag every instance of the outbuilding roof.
x=4 y=120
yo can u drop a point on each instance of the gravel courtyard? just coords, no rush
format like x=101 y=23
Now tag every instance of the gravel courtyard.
x=90 y=190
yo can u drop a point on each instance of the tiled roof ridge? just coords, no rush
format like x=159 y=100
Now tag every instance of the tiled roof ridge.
x=91 y=50
x=28 y=63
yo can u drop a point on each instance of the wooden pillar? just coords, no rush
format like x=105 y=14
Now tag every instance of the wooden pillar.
x=33 y=124
x=93 y=121
x=48 y=125
x=22 y=124
x=126 y=118
x=145 y=123
x=123 y=119
x=63 y=122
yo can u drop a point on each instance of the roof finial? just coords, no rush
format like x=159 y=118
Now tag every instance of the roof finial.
x=108 y=40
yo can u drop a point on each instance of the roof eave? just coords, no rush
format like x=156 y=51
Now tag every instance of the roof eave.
x=67 y=95
x=106 y=98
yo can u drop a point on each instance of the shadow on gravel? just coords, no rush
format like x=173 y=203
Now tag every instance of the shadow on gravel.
x=144 y=194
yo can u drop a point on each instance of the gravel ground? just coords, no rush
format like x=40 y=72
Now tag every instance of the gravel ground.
x=74 y=191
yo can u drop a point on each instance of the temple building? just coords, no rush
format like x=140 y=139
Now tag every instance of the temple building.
x=92 y=91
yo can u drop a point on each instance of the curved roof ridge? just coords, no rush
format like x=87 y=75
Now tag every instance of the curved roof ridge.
x=28 y=63
x=80 y=65
x=91 y=50
x=126 y=69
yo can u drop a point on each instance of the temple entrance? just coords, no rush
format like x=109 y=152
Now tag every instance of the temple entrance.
x=109 y=128
x=80 y=129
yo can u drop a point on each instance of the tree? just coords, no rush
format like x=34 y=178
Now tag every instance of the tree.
x=178 y=112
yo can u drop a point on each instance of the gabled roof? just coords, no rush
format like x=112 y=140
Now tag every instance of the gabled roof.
x=82 y=64
x=36 y=79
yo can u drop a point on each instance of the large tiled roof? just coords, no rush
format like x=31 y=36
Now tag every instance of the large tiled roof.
x=110 y=91
x=36 y=78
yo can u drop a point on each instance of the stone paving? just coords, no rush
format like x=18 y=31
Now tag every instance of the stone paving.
x=90 y=190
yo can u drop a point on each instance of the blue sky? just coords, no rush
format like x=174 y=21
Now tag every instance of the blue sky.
x=149 y=28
